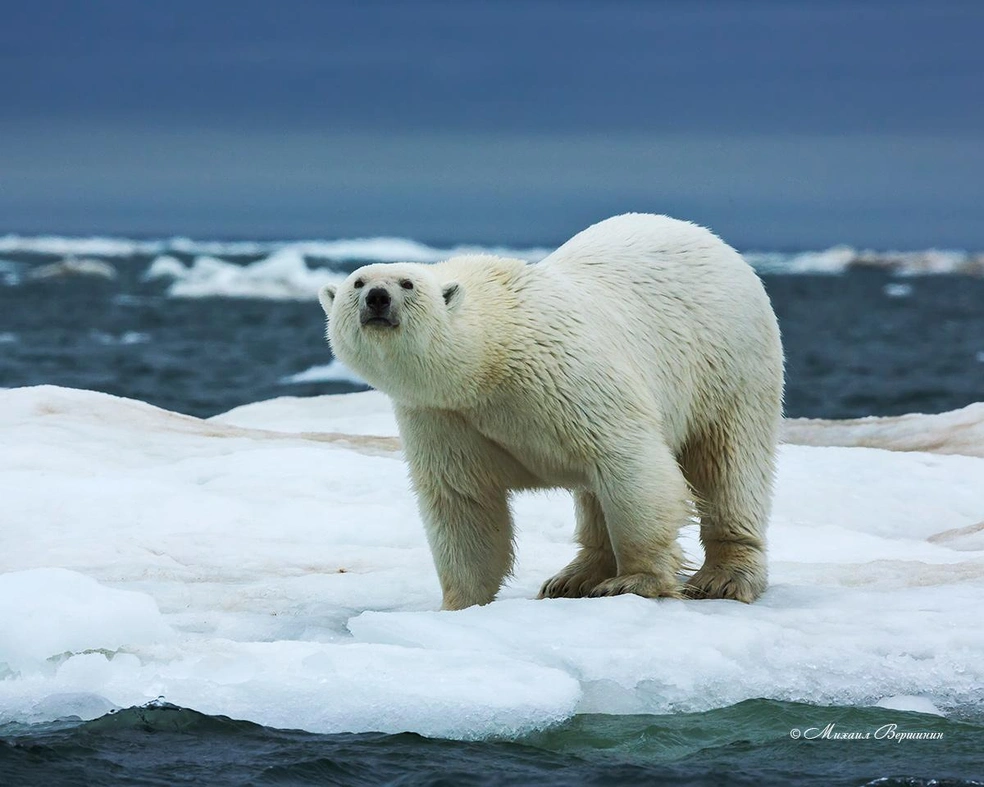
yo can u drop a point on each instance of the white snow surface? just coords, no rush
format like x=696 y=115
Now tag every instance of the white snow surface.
x=237 y=566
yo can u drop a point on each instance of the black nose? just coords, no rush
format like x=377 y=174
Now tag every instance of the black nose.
x=378 y=299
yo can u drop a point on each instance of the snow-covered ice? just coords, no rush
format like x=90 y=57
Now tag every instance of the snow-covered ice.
x=263 y=566
x=956 y=432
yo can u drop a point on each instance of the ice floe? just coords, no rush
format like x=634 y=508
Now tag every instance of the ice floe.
x=269 y=564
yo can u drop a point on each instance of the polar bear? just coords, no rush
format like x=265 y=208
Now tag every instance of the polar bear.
x=639 y=365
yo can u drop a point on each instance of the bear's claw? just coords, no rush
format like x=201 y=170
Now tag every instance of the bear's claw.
x=730 y=582
x=566 y=585
x=645 y=585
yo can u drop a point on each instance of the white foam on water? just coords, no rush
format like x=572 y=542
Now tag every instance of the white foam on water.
x=11 y=272
x=285 y=579
x=125 y=338
x=898 y=290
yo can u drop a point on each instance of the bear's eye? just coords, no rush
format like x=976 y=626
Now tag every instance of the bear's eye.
x=406 y=284
x=359 y=284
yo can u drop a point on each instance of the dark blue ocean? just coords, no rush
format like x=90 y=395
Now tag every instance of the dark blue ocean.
x=869 y=339
x=879 y=337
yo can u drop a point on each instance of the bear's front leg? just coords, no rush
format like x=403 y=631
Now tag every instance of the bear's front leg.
x=471 y=543
x=645 y=499
x=460 y=480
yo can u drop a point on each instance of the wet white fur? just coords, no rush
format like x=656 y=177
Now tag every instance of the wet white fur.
x=639 y=366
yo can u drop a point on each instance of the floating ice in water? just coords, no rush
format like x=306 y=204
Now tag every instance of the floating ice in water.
x=333 y=372
x=236 y=566
x=125 y=338
x=909 y=703
x=833 y=260
x=897 y=290
x=9 y=338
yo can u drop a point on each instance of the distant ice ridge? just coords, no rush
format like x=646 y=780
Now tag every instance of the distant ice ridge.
x=202 y=279
x=839 y=259
x=286 y=273
x=347 y=250
x=283 y=275
x=262 y=566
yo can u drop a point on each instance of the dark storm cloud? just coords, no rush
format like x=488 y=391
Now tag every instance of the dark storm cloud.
x=789 y=122
x=657 y=66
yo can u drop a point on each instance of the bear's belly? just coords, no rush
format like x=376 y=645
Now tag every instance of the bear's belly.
x=547 y=461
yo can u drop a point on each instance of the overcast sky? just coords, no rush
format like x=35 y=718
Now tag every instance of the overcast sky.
x=779 y=124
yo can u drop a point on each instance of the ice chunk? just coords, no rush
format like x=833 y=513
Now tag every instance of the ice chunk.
x=333 y=372
x=909 y=703
x=49 y=612
x=74 y=267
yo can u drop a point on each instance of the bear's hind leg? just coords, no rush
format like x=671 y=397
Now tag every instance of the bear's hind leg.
x=645 y=499
x=595 y=560
x=731 y=472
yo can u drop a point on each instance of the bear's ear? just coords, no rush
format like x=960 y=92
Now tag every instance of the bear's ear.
x=453 y=295
x=327 y=297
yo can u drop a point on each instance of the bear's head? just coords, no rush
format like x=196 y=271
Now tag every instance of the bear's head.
x=392 y=325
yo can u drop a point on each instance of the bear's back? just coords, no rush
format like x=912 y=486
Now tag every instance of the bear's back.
x=669 y=303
